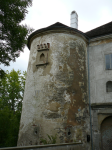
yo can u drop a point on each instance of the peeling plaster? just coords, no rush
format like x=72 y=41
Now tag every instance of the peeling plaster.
x=56 y=96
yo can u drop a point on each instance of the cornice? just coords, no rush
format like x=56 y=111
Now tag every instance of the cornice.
x=101 y=105
x=109 y=36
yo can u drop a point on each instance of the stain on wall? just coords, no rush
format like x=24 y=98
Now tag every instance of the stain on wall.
x=56 y=97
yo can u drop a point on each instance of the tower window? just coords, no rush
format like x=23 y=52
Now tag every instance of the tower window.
x=108 y=62
x=42 y=57
x=69 y=132
x=109 y=86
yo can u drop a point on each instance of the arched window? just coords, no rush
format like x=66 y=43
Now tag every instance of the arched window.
x=109 y=86
x=42 y=57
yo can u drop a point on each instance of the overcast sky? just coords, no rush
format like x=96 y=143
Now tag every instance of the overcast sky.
x=91 y=14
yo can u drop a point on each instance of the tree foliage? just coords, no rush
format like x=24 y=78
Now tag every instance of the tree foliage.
x=11 y=96
x=12 y=34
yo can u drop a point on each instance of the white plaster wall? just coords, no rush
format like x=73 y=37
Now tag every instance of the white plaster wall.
x=98 y=74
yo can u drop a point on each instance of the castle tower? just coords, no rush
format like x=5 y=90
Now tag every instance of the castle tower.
x=56 y=98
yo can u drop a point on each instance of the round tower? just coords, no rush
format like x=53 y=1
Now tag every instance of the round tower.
x=55 y=98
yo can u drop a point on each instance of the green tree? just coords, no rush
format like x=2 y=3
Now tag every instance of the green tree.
x=13 y=35
x=11 y=97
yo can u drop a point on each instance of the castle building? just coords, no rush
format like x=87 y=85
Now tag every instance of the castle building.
x=100 y=85
x=68 y=89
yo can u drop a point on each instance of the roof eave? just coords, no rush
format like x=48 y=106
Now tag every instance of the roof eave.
x=50 y=28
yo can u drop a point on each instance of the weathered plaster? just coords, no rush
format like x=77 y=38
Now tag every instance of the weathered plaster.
x=98 y=74
x=98 y=94
x=56 y=97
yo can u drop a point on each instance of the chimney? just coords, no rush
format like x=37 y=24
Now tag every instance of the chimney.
x=74 y=20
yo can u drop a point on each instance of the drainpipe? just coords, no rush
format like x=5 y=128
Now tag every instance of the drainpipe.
x=89 y=97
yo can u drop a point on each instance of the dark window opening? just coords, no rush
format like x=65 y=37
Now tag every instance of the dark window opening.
x=36 y=132
x=69 y=132
x=109 y=86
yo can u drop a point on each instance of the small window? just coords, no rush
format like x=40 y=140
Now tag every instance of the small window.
x=108 y=62
x=109 y=86
x=42 y=57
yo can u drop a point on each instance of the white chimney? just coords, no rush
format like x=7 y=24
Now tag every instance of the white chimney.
x=74 y=20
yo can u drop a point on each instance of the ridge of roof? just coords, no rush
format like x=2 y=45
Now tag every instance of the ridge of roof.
x=100 y=31
x=58 y=24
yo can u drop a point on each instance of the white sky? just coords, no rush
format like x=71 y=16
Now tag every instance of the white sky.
x=91 y=14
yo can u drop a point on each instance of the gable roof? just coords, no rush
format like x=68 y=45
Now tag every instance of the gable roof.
x=100 y=31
